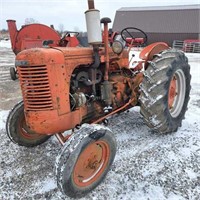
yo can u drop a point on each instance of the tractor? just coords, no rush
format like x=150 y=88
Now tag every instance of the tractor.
x=70 y=92
x=37 y=35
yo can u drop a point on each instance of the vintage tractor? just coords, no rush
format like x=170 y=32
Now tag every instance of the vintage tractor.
x=75 y=88
x=37 y=35
x=34 y=35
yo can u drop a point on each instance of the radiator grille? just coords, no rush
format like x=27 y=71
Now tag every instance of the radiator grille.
x=35 y=87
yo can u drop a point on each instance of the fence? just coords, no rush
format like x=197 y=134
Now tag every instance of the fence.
x=189 y=46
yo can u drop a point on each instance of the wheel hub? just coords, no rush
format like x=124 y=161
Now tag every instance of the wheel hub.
x=172 y=92
x=176 y=94
x=91 y=163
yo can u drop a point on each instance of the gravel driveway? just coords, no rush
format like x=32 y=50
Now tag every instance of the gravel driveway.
x=147 y=166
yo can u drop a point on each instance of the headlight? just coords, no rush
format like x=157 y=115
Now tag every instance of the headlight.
x=118 y=44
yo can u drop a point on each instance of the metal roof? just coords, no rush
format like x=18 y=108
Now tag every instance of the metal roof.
x=176 y=7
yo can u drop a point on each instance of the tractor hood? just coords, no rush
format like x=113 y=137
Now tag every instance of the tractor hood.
x=60 y=55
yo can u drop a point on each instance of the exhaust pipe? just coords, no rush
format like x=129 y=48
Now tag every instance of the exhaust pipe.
x=91 y=4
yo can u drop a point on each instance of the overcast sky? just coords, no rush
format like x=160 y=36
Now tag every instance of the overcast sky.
x=70 y=13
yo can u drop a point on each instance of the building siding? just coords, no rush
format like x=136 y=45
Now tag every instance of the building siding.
x=165 y=23
x=170 y=37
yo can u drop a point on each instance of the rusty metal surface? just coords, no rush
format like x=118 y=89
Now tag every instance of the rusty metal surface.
x=35 y=87
x=148 y=52
x=91 y=4
x=31 y=35
x=47 y=74
x=106 y=51
x=49 y=122
x=155 y=48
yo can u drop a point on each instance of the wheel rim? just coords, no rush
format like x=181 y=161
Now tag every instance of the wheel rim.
x=176 y=94
x=91 y=163
x=25 y=132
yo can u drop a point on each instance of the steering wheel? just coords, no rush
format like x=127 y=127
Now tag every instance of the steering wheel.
x=137 y=35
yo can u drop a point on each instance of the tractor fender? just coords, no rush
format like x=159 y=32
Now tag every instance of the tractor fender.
x=147 y=54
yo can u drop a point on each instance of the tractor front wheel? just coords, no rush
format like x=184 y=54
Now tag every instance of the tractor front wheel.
x=165 y=91
x=85 y=160
x=13 y=73
x=19 y=132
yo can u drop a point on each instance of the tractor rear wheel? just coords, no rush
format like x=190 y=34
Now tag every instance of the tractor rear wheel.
x=165 y=91
x=18 y=131
x=85 y=160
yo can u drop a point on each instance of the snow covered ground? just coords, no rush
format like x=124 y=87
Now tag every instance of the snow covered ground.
x=5 y=44
x=147 y=166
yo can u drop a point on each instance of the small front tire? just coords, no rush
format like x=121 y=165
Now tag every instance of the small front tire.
x=85 y=160
x=18 y=131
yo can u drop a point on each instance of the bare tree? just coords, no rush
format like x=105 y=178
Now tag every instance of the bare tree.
x=30 y=21
x=76 y=29
x=61 y=29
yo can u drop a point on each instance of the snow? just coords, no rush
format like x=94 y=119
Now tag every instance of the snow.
x=3 y=116
x=147 y=166
x=47 y=185
x=6 y=44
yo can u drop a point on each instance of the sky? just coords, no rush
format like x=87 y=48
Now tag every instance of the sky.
x=70 y=13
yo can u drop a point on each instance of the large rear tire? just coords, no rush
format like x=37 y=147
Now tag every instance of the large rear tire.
x=85 y=160
x=165 y=91
x=18 y=131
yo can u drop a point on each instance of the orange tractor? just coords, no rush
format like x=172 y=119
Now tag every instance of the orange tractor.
x=37 y=35
x=76 y=88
